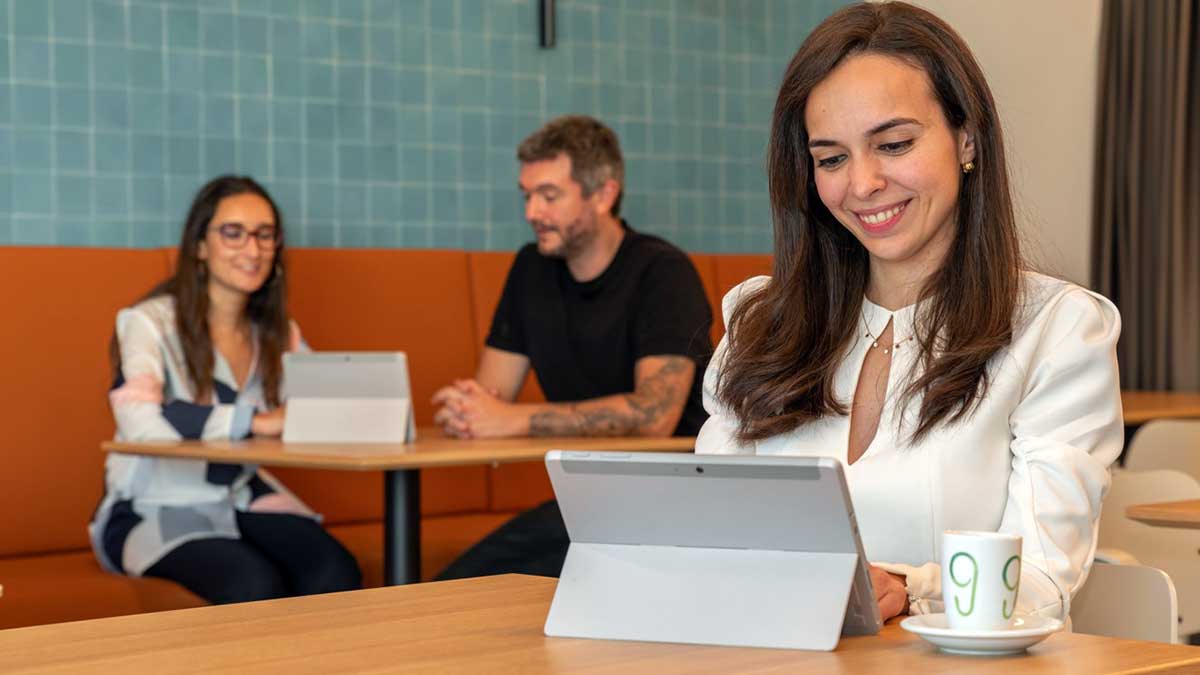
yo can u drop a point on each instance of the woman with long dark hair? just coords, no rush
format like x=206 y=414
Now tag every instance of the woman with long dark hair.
x=200 y=357
x=900 y=331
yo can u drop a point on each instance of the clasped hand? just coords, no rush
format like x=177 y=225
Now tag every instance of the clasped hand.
x=466 y=409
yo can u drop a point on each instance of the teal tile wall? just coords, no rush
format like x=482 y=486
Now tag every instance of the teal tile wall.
x=386 y=123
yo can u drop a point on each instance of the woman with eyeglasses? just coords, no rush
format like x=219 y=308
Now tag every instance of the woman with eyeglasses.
x=200 y=357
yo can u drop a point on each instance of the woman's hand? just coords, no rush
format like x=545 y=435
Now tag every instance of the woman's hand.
x=890 y=593
x=268 y=423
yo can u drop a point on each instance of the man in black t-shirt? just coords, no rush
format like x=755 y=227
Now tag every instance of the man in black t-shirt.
x=614 y=323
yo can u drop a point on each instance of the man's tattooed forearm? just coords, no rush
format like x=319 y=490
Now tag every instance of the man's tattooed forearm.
x=654 y=396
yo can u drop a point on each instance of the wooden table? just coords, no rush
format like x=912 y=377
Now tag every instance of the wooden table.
x=401 y=465
x=1143 y=406
x=491 y=625
x=1183 y=514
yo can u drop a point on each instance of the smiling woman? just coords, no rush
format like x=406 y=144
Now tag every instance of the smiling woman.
x=201 y=358
x=900 y=332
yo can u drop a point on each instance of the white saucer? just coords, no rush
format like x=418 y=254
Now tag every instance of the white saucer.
x=1026 y=632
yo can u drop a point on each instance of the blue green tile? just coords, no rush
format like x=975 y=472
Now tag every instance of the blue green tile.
x=413 y=125
x=443 y=16
x=384 y=236
x=252 y=76
x=185 y=71
x=447 y=234
x=183 y=113
x=110 y=65
x=32 y=230
x=146 y=68
x=31 y=60
x=183 y=28
x=320 y=160
x=150 y=234
x=217 y=31
x=352 y=203
x=145 y=25
x=447 y=129
x=112 y=153
x=6 y=149
x=149 y=154
x=318 y=80
x=220 y=156
x=414 y=205
x=502 y=54
x=288 y=78
x=31 y=192
x=351 y=43
x=288 y=159
x=31 y=150
x=254 y=158
x=445 y=166
x=321 y=201
x=73 y=195
x=183 y=156
x=381 y=44
x=220 y=117
x=412 y=47
x=353 y=235
x=286 y=38
x=32 y=105
x=31 y=18
x=69 y=22
x=352 y=162
x=287 y=119
x=112 y=109
x=444 y=50
x=413 y=86
x=321 y=236
x=108 y=22
x=383 y=203
x=251 y=33
x=112 y=233
x=254 y=117
x=72 y=107
x=384 y=84
x=352 y=122
x=352 y=84
x=320 y=120
x=385 y=163
x=317 y=38
x=218 y=74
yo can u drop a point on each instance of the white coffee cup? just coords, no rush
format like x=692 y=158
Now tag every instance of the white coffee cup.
x=981 y=577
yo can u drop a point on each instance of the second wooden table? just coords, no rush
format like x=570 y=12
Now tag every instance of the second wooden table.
x=401 y=465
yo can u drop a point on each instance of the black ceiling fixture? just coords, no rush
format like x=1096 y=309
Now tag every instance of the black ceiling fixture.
x=546 y=20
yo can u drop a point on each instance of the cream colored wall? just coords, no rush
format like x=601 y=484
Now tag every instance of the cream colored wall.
x=1041 y=59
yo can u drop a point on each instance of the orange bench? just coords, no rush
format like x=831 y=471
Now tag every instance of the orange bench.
x=60 y=305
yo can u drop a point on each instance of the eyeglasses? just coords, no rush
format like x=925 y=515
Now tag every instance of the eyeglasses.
x=235 y=235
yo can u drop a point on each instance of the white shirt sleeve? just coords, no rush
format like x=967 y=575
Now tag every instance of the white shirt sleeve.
x=718 y=436
x=1066 y=431
x=138 y=403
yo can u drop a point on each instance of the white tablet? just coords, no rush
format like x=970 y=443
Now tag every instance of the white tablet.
x=347 y=397
x=709 y=549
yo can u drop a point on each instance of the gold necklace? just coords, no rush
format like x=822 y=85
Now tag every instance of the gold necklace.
x=875 y=341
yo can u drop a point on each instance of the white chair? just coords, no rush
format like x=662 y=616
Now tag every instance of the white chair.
x=1172 y=550
x=1166 y=444
x=1126 y=601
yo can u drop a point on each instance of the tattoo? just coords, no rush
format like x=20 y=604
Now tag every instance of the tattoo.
x=654 y=396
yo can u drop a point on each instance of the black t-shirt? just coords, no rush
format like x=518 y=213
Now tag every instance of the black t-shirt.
x=583 y=339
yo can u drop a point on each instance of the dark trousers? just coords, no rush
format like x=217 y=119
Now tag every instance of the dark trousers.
x=279 y=555
x=534 y=542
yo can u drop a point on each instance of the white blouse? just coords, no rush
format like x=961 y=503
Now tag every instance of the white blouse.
x=1032 y=460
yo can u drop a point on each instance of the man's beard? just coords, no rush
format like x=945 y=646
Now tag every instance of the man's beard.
x=574 y=238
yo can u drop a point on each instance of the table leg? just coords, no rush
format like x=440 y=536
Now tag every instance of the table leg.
x=402 y=527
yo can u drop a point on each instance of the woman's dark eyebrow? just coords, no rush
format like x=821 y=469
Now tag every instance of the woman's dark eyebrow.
x=877 y=129
x=894 y=122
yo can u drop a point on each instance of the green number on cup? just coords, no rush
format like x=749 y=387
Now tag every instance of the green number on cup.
x=1005 y=608
x=973 y=582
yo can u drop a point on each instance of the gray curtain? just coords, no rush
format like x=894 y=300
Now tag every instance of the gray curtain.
x=1147 y=188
